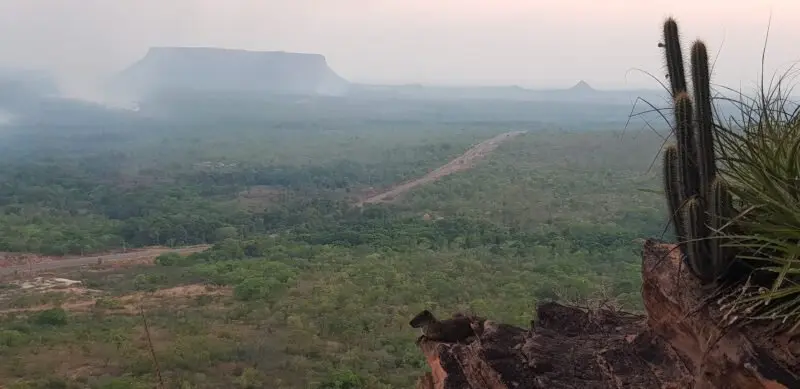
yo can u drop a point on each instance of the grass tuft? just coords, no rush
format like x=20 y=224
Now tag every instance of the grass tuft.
x=759 y=157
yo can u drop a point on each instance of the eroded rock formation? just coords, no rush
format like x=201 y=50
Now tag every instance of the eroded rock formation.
x=717 y=356
x=678 y=344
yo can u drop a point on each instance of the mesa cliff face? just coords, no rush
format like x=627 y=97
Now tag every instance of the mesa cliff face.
x=202 y=69
x=678 y=344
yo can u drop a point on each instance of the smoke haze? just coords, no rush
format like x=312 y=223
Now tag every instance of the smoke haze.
x=551 y=43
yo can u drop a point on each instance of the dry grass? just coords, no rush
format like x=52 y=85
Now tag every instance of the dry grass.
x=78 y=299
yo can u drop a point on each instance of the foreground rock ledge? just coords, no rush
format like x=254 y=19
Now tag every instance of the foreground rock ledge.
x=679 y=344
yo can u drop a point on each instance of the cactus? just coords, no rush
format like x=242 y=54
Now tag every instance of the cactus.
x=704 y=133
x=721 y=212
x=694 y=217
x=699 y=203
x=687 y=156
x=674 y=56
x=672 y=188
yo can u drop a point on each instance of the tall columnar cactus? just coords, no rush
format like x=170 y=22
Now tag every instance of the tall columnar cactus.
x=694 y=219
x=704 y=133
x=672 y=188
x=698 y=202
x=674 y=57
x=687 y=146
x=720 y=215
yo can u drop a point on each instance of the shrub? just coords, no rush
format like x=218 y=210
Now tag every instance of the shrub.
x=250 y=379
x=169 y=259
x=11 y=338
x=253 y=288
x=345 y=379
x=223 y=233
x=108 y=303
x=51 y=317
x=761 y=160
x=122 y=383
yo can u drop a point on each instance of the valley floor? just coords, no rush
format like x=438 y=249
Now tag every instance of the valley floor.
x=298 y=288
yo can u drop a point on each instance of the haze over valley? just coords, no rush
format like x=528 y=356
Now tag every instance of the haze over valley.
x=235 y=194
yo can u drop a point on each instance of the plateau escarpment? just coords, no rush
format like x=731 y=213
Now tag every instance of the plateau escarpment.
x=206 y=69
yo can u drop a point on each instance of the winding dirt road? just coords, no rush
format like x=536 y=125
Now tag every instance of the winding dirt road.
x=464 y=162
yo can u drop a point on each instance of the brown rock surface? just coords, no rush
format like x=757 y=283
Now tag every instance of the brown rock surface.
x=719 y=357
x=679 y=344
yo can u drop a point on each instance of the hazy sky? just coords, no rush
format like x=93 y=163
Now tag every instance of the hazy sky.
x=540 y=43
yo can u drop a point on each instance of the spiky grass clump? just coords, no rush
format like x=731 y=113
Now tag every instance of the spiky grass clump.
x=759 y=157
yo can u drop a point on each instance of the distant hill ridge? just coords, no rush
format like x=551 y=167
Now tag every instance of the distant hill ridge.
x=581 y=92
x=211 y=69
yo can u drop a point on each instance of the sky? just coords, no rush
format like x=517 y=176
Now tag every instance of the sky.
x=531 y=43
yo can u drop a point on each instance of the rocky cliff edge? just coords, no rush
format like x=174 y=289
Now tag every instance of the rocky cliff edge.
x=679 y=343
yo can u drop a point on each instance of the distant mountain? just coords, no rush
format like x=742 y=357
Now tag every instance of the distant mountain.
x=21 y=85
x=204 y=69
x=582 y=87
x=581 y=92
x=196 y=71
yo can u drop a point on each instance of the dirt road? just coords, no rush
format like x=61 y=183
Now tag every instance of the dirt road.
x=52 y=264
x=464 y=162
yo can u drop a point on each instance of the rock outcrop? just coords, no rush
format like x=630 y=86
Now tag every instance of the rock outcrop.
x=204 y=69
x=718 y=356
x=680 y=343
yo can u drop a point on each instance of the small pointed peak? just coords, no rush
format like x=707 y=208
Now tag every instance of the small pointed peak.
x=582 y=86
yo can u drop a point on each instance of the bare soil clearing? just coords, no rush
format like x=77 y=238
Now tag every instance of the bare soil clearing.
x=79 y=299
x=27 y=263
x=464 y=162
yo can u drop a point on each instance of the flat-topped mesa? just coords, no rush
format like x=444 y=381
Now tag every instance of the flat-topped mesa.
x=229 y=70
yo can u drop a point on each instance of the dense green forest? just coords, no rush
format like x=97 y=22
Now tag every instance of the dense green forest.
x=303 y=288
x=173 y=190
